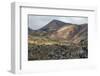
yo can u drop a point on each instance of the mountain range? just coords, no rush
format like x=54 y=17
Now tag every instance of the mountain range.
x=62 y=31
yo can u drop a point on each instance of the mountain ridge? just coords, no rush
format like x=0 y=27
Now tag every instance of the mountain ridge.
x=63 y=31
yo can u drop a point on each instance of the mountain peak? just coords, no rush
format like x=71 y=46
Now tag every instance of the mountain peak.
x=56 y=23
x=53 y=25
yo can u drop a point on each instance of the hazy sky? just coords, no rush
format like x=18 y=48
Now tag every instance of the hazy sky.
x=37 y=22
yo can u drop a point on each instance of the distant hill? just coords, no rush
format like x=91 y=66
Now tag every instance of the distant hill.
x=30 y=30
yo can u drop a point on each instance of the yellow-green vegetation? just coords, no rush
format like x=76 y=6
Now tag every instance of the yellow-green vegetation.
x=43 y=41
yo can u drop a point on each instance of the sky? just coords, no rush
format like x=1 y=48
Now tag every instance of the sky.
x=36 y=22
